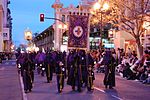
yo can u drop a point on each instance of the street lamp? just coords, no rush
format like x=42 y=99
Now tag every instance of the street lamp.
x=28 y=37
x=60 y=26
x=100 y=8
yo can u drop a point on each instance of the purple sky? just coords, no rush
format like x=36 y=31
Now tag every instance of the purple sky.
x=25 y=13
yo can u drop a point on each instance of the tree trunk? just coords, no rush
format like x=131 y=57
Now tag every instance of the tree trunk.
x=139 y=47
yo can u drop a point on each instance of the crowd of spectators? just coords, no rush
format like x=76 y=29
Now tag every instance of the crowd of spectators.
x=5 y=56
x=128 y=65
x=133 y=68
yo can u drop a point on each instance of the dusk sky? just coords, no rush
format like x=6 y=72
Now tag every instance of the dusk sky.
x=25 y=14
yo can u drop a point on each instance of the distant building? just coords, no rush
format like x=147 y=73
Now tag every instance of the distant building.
x=83 y=8
x=45 y=40
x=5 y=26
x=59 y=38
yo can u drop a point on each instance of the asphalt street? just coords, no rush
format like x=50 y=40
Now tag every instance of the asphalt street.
x=11 y=88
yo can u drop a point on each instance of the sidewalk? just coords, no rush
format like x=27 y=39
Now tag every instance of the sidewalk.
x=10 y=88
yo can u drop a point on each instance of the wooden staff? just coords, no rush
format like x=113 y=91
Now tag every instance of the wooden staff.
x=61 y=76
x=90 y=75
x=81 y=73
x=48 y=70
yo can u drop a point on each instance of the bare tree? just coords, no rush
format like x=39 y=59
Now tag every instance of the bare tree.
x=131 y=15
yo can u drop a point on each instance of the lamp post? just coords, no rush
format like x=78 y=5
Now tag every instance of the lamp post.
x=100 y=8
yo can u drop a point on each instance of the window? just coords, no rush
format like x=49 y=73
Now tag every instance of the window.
x=63 y=18
x=4 y=34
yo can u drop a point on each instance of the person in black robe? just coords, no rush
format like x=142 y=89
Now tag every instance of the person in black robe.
x=49 y=67
x=75 y=74
x=60 y=71
x=83 y=66
x=27 y=74
x=108 y=61
x=90 y=72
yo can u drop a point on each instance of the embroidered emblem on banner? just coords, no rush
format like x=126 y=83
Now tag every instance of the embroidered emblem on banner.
x=78 y=31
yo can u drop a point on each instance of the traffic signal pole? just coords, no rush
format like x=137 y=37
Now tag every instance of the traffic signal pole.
x=57 y=43
x=42 y=17
x=54 y=19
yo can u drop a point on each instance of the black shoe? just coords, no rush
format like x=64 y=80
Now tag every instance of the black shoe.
x=25 y=91
x=79 y=90
x=59 y=91
x=110 y=87
x=144 y=82
x=30 y=90
x=73 y=88
x=106 y=86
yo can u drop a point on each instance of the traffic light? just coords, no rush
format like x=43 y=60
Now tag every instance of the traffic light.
x=41 y=17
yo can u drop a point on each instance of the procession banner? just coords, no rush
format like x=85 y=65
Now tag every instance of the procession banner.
x=78 y=31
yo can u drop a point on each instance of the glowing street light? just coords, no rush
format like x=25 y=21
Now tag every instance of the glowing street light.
x=65 y=26
x=100 y=8
x=60 y=26
x=96 y=6
x=105 y=6
x=28 y=34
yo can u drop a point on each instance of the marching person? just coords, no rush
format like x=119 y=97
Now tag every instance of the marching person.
x=32 y=59
x=75 y=74
x=108 y=61
x=49 y=67
x=90 y=71
x=20 y=62
x=27 y=74
x=83 y=66
x=70 y=59
x=40 y=58
x=60 y=71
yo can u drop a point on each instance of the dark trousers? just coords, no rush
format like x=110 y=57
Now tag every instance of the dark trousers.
x=49 y=72
x=60 y=82
x=76 y=81
x=27 y=80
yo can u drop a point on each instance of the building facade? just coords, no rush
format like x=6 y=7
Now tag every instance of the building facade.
x=120 y=38
x=5 y=26
x=83 y=8
x=45 y=40
x=60 y=33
